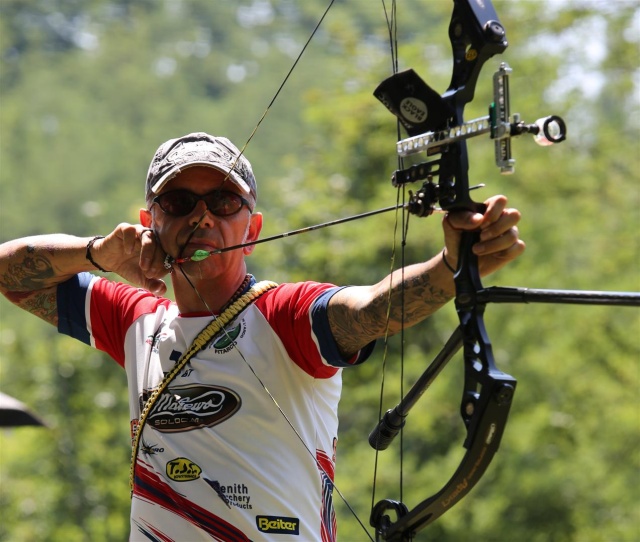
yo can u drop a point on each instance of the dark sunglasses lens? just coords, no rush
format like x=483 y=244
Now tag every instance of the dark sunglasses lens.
x=182 y=202
x=177 y=203
x=224 y=203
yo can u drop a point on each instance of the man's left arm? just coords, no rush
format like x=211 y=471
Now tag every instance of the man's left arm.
x=358 y=314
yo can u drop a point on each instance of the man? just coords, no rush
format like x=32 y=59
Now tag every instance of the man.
x=234 y=432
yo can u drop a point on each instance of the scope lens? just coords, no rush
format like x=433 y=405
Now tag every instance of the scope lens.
x=552 y=130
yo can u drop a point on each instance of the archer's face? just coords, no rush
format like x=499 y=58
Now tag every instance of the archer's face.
x=201 y=229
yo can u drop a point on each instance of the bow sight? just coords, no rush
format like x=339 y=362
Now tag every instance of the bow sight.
x=498 y=123
x=434 y=122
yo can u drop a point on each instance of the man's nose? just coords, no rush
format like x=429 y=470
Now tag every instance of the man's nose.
x=201 y=216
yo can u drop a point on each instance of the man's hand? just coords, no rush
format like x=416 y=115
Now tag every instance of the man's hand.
x=499 y=242
x=133 y=252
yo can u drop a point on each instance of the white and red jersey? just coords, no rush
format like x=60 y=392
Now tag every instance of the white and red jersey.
x=218 y=460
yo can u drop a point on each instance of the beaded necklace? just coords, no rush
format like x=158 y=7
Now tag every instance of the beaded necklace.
x=241 y=289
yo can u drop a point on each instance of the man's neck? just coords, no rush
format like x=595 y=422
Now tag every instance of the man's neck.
x=205 y=294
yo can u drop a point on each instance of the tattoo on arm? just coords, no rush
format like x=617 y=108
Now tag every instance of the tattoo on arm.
x=29 y=274
x=26 y=285
x=41 y=303
x=421 y=299
x=355 y=325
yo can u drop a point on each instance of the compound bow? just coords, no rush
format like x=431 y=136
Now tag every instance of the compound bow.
x=435 y=126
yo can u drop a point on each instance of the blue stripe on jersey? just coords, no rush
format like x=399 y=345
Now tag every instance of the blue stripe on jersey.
x=71 y=297
x=322 y=330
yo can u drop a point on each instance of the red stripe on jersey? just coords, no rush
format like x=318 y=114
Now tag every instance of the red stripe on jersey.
x=287 y=308
x=121 y=305
x=151 y=487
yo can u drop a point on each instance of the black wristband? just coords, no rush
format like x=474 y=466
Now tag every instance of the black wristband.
x=90 y=258
x=446 y=263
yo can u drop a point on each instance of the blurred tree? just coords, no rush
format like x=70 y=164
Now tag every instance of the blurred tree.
x=89 y=89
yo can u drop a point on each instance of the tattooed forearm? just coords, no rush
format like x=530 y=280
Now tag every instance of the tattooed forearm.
x=415 y=301
x=28 y=274
x=361 y=314
x=32 y=268
x=42 y=303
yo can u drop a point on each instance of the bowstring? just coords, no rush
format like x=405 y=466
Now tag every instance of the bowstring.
x=277 y=93
x=265 y=112
x=392 y=28
x=208 y=309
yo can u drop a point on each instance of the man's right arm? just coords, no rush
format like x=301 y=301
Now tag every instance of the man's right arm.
x=31 y=269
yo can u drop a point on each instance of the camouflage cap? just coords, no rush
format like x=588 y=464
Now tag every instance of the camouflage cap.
x=200 y=149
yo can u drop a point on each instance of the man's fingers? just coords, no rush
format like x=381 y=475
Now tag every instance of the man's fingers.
x=464 y=220
x=507 y=219
x=151 y=255
x=130 y=239
x=495 y=207
x=496 y=244
x=155 y=286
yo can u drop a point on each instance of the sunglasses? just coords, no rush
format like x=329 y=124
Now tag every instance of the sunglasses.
x=183 y=202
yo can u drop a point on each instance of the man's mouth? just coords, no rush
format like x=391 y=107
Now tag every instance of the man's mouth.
x=199 y=244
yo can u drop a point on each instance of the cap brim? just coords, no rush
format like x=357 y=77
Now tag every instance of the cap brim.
x=232 y=176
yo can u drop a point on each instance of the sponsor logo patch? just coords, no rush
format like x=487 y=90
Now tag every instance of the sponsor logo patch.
x=228 y=338
x=191 y=407
x=182 y=469
x=413 y=109
x=150 y=449
x=278 y=525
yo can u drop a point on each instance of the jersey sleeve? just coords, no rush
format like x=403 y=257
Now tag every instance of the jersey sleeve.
x=99 y=312
x=322 y=330
x=297 y=312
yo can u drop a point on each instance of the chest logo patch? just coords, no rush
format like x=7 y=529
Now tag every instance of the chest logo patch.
x=182 y=469
x=227 y=338
x=192 y=407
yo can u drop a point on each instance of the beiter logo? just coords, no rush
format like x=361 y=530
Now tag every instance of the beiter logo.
x=278 y=525
x=190 y=407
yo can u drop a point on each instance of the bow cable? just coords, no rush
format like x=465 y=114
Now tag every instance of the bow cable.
x=392 y=28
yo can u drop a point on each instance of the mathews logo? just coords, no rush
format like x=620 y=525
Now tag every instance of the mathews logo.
x=182 y=469
x=190 y=407
x=278 y=525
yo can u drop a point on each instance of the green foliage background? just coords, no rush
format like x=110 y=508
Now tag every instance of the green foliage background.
x=89 y=89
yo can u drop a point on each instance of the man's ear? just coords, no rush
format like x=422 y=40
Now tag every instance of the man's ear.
x=253 y=232
x=145 y=218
